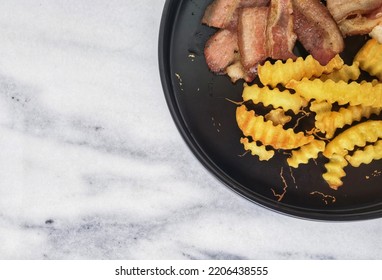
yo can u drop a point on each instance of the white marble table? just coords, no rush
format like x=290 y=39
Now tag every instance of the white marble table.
x=92 y=166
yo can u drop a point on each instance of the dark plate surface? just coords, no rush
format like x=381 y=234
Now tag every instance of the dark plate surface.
x=200 y=106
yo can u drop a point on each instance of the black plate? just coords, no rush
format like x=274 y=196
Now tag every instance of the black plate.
x=198 y=101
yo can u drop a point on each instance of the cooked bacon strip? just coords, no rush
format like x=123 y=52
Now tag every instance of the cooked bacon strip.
x=221 y=50
x=341 y=9
x=317 y=30
x=236 y=72
x=253 y=3
x=252 y=26
x=356 y=17
x=220 y=13
x=281 y=38
x=225 y=13
x=359 y=25
x=377 y=13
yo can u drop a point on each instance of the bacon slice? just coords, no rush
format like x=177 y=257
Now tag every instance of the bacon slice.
x=252 y=40
x=341 y=9
x=236 y=72
x=317 y=30
x=254 y=3
x=356 y=17
x=221 y=50
x=281 y=37
x=220 y=13
x=225 y=13
x=359 y=25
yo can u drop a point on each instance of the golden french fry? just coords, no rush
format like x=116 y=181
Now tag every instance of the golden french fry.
x=341 y=92
x=309 y=151
x=282 y=73
x=259 y=151
x=329 y=122
x=358 y=135
x=320 y=107
x=370 y=58
x=367 y=155
x=335 y=171
x=346 y=73
x=267 y=133
x=374 y=82
x=275 y=97
x=277 y=116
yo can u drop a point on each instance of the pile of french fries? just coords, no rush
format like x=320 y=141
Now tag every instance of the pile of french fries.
x=304 y=85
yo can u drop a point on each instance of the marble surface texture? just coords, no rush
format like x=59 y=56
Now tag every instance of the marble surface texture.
x=92 y=165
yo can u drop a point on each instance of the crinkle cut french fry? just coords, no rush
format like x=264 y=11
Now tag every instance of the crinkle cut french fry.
x=282 y=73
x=335 y=171
x=374 y=82
x=320 y=107
x=346 y=73
x=367 y=155
x=329 y=122
x=278 y=117
x=341 y=92
x=275 y=97
x=309 y=151
x=259 y=151
x=370 y=58
x=358 y=135
x=267 y=133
